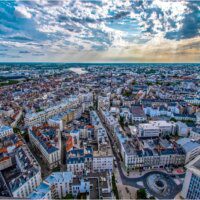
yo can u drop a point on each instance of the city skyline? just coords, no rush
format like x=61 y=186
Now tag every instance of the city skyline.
x=99 y=31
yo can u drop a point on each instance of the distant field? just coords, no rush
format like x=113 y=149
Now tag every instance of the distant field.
x=8 y=82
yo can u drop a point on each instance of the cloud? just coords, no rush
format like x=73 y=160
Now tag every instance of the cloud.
x=3 y=50
x=20 y=38
x=164 y=50
x=92 y=29
x=3 y=54
x=24 y=51
x=22 y=12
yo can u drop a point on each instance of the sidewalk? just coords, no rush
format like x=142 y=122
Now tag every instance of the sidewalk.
x=137 y=174
x=126 y=192
x=117 y=176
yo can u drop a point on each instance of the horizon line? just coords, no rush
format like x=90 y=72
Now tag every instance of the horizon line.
x=43 y=62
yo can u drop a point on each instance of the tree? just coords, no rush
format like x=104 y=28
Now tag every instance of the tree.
x=16 y=130
x=152 y=197
x=127 y=93
x=141 y=194
x=68 y=196
x=121 y=121
x=26 y=136
x=133 y=82
x=114 y=186
x=173 y=119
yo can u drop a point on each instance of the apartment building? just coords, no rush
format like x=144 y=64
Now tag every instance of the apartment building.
x=30 y=176
x=47 y=141
x=55 y=186
x=59 y=184
x=86 y=100
x=109 y=120
x=22 y=173
x=5 y=131
x=103 y=103
x=41 y=117
x=195 y=133
x=195 y=101
x=79 y=160
x=138 y=115
x=102 y=157
x=151 y=153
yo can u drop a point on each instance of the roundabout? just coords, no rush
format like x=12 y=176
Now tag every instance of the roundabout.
x=157 y=183
x=160 y=185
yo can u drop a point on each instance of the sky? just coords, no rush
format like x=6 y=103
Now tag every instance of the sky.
x=99 y=31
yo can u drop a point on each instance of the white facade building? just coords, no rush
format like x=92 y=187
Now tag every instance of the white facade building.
x=164 y=126
x=40 y=117
x=148 y=130
x=102 y=162
x=156 y=128
x=182 y=129
x=103 y=103
x=22 y=185
x=56 y=121
x=58 y=185
x=191 y=148
x=103 y=157
x=195 y=101
x=149 y=158
x=5 y=131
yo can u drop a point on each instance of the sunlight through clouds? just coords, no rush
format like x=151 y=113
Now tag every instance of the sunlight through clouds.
x=84 y=29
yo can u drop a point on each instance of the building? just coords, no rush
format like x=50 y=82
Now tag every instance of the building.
x=56 y=121
x=102 y=157
x=138 y=114
x=79 y=161
x=151 y=153
x=86 y=100
x=166 y=128
x=47 y=140
x=63 y=118
x=125 y=113
x=80 y=186
x=182 y=129
x=75 y=134
x=103 y=103
x=195 y=133
x=55 y=186
x=109 y=120
x=21 y=173
x=43 y=191
x=148 y=130
x=191 y=185
x=59 y=184
x=32 y=119
x=69 y=143
x=191 y=148
x=156 y=128
x=195 y=101
x=198 y=118
x=182 y=117
x=5 y=131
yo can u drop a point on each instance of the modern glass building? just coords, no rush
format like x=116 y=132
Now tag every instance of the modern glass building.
x=191 y=185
